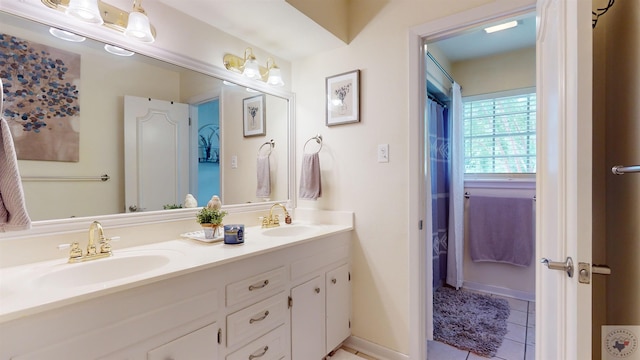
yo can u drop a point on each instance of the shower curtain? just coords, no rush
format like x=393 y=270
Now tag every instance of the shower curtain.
x=447 y=187
x=439 y=155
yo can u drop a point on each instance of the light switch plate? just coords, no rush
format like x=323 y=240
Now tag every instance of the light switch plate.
x=383 y=153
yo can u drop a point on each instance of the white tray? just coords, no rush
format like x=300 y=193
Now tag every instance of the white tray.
x=199 y=235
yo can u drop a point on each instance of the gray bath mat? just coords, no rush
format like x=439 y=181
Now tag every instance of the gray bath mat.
x=469 y=321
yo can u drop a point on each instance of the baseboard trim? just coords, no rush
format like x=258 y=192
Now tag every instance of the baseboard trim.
x=497 y=290
x=374 y=350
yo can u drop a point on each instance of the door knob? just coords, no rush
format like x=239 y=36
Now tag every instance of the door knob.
x=556 y=265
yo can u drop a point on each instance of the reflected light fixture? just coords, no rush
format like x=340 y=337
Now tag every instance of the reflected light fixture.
x=111 y=49
x=500 y=27
x=134 y=25
x=65 y=35
x=248 y=66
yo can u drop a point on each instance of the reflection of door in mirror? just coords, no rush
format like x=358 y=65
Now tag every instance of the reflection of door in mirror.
x=156 y=134
x=206 y=116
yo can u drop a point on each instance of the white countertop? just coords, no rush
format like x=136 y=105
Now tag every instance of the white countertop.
x=25 y=291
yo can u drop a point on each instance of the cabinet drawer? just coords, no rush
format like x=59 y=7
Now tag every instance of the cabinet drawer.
x=200 y=344
x=256 y=287
x=256 y=320
x=269 y=347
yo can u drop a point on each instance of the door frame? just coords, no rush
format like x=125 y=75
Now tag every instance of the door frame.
x=420 y=271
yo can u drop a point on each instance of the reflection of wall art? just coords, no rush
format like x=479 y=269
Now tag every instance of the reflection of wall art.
x=254 y=116
x=41 y=89
x=343 y=98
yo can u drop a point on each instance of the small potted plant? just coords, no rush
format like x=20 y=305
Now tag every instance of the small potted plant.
x=210 y=218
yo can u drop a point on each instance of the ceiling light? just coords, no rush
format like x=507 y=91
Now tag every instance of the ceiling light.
x=117 y=50
x=134 y=24
x=507 y=25
x=65 y=35
x=249 y=67
x=85 y=10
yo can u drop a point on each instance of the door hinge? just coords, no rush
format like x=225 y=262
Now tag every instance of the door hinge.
x=349 y=324
x=349 y=275
x=189 y=121
x=420 y=225
x=219 y=336
x=290 y=302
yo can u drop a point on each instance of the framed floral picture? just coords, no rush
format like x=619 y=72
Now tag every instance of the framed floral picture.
x=343 y=98
x=254 y=116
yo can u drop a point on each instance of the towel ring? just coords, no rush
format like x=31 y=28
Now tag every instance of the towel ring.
x=318 y=139
x=271 y=144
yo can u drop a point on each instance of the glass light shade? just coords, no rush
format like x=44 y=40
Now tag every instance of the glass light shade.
x=117 y=50
x=85 y=10
x=139 y=28
x=275 y=79
x=251 y=69
x=65 y=35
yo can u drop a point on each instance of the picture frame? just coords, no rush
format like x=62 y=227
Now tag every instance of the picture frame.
x=254 y=116
x=343 y=98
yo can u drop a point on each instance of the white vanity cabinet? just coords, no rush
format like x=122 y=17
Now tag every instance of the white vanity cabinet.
x=320 y=308
x=238 y=308
x=201 y=344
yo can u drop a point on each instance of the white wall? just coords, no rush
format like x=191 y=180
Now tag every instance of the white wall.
x=352 y=178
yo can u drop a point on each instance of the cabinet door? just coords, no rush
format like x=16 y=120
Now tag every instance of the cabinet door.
x=338 y=306
x=308 y=320
x=201 y=344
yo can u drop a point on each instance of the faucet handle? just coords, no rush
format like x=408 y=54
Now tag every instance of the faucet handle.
x=105 y=244
x=75 y=251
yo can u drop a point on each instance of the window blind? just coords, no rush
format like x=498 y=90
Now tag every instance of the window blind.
x=500 y=134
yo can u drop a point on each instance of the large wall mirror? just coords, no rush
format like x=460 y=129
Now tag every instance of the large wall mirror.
x=219 y=155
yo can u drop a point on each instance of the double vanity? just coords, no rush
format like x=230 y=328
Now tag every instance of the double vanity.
x=283 y=294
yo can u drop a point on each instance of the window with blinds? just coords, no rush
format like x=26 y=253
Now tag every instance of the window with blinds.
x=500 y=134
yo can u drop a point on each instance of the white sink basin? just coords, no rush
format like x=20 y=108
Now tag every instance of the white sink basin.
x=289 y=230
x=120 y=266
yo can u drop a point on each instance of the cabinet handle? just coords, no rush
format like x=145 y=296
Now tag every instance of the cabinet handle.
x=259 y=286
x=264 y=351
x=317 y=290
x=264 y=316
x=333 y=281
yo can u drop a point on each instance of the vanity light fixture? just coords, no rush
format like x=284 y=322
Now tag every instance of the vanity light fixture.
x=134 y=24
x=85 y=10
x=274 y=78
x=65 y=35
x=111 y=49
x=500 y=27
x=249 y=67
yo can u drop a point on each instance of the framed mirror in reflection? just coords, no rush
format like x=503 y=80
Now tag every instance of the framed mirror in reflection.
x=128 y=128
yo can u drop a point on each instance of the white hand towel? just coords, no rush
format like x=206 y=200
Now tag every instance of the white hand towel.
x=310 y=184
x=264 y=177
x=13 y=211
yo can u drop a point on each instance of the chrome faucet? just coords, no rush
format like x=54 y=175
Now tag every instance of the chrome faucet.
x=75 y=252
x=273 y=220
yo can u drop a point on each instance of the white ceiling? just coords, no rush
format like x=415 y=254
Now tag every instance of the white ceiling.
x=273 y=25
x=477 y=43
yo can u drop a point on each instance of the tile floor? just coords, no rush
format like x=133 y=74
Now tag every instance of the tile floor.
x=518 y=344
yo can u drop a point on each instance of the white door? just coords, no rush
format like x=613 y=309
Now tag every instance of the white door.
x=563 y=229
x=308 y=320
x=156 y=155
x=338 y=306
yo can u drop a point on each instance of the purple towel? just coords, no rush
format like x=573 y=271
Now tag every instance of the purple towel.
x=501 y=230
x=310 y=185
x=13 y=211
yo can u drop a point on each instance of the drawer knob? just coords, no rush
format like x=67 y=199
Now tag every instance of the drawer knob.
x=264 y=316
x=317 y=290
x=333 y=281
x=259 y=286
x=264 y=351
